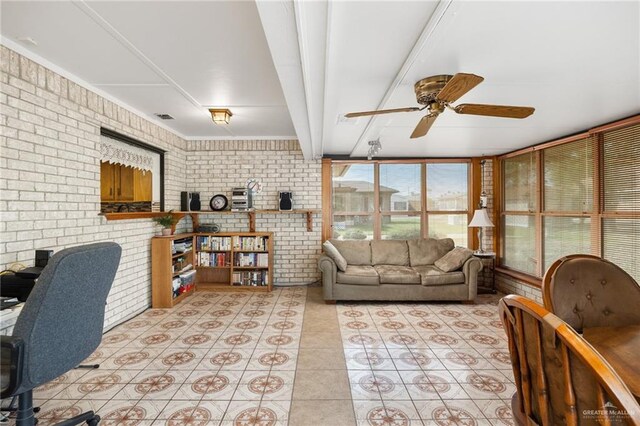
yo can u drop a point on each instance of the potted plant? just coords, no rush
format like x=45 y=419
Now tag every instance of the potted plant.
x=166 y=222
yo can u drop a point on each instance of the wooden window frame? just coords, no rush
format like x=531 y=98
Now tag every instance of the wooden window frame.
x=377 y=213
x=597 y=214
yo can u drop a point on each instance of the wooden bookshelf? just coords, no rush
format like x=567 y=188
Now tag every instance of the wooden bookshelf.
x=211 y=276
x=167 y=266
x=225 y=277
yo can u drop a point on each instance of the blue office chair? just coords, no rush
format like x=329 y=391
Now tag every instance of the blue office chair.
x=59 y=326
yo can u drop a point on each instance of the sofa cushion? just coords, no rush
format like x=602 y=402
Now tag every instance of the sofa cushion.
x=390 y=252
x=355 y=252
x=395 y=274
x=427 y=251
x=358 y=274
x=454 y=260
x=334 y=254
x=432 y=275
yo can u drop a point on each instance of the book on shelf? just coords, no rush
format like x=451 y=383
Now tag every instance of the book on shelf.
x=252 y=259
x=212 y=259
x=250 y=243
x=251 y=278
x=213 y=243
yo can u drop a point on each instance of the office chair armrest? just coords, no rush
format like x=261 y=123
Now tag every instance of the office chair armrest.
x=12 y=363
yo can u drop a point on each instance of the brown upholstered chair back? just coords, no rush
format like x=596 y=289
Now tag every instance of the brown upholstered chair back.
x=587 y=291
x=560 y=379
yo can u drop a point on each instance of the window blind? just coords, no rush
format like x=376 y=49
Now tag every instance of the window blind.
x=621 y=244
x=520 y=183
x=520 y=243
x=568 y=177
x=565 y=235
x=621 y=157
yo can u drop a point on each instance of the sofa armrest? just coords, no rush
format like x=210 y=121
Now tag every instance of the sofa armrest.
x=329 y=274
x=470 y=269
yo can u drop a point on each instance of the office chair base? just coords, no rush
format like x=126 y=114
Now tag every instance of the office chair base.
x=91 y=418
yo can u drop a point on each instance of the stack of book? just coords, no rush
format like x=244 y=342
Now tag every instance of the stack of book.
x=214 y=243
x=252 y=259
x=212 y=259
x=253 y=278
x=250 y=243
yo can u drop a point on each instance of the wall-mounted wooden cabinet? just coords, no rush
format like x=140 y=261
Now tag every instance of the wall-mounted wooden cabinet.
x=120 y=183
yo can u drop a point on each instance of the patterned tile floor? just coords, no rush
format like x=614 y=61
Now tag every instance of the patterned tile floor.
x=247 y=359
x=431 y=364
x=217 y=358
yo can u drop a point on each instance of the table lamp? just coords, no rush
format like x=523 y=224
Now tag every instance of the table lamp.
x=480 y=220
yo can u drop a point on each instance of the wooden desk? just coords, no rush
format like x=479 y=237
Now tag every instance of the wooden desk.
x=620 y=346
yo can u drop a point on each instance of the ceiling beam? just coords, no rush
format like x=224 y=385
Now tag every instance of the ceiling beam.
x=280 y=28
x=427 y=33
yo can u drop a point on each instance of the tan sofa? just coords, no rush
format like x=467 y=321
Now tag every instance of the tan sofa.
x=397 y=270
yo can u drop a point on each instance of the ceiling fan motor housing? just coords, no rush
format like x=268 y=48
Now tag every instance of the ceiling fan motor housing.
x=428 y=88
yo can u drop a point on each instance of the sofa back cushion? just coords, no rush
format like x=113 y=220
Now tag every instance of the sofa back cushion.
x=427 y=251
x=390 y=252
x=355 y=252
x=454 y=260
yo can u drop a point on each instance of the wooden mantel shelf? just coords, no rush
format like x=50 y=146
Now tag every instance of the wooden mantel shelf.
x=194 y=215
x=252 y=215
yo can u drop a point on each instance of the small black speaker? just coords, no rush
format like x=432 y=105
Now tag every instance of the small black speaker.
x=286 y=200
x=42 y=257
x=190 y=201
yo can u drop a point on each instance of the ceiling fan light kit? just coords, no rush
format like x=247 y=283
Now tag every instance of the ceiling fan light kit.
x=438 y=92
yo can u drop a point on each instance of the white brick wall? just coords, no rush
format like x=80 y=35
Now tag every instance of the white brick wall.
x=50 y=181
x=218 y=166
x=50 y=175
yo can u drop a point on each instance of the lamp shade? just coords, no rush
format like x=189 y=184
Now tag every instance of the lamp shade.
x=480 y=219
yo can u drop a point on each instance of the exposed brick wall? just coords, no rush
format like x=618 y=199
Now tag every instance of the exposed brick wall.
x=50 y=175
x=50 y=181
x=487 y=182
x=509 y=285
x=218 y=166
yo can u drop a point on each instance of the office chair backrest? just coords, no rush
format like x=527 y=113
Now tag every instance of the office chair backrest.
x=588 y=291
x=62 y=321
x=560 y=378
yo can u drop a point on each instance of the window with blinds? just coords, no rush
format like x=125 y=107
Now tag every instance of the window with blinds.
x=520 y=183
x=568 y=177
x=621 y=244
x=579 y=214
x=621 y=181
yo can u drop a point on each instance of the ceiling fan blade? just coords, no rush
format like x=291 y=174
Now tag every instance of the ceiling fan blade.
x=495 y=110
x=459 y=84
x=381 y=111
x=424 y=125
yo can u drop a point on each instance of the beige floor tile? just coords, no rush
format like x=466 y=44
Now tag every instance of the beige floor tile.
x=321 y=339
x=314 y=359
x=314 y=413
x=321 y=384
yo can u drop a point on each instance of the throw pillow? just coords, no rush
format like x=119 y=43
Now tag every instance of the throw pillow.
x=454 y=259
x=334 y=254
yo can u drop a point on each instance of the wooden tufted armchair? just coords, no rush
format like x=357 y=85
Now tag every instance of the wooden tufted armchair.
x=588 y=291
x=560 y=379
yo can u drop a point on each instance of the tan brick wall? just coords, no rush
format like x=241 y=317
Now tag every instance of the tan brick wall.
x=50 y=181
x=218 y=166
x=509 y=285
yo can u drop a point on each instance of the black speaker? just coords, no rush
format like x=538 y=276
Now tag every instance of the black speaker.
x=286 y=201
x=42 y=257
x=190 y=201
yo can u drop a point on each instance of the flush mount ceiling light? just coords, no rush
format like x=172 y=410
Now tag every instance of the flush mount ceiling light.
x=220 y=115
x=374 y=148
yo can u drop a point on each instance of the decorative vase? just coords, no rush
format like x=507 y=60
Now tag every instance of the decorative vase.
x=166 y=232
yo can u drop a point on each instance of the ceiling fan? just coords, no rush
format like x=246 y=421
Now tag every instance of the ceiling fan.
x=438 y=92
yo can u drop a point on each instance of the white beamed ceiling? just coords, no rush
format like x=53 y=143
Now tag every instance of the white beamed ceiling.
x=175 y=57
x=576 y=62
